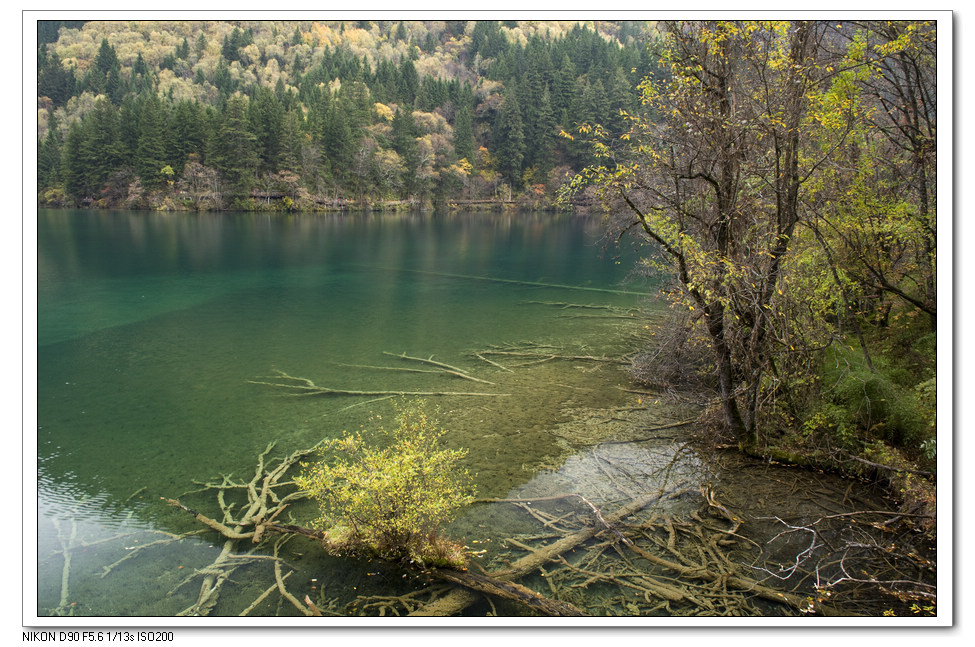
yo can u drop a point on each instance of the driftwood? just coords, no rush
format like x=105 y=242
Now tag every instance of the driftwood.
x=480 y=583
x=505 y=590
x=690 y=571
x=459 y=600
x=302 y=386
x=444 y=368
x=263 y=506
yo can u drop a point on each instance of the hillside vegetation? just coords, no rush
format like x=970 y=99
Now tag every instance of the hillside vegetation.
x=305 y=115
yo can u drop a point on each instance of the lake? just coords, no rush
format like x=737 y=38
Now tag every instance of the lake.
x=165 y=341
x=153 y=327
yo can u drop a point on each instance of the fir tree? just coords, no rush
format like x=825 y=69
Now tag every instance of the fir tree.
x=509 y=140
x=464 y=133
x=234 y=148
x=151 y=150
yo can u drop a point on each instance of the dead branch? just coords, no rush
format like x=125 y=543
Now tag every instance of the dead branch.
x=459 y=599
x=262 y=508
x=683 y=423
x=302 y=386
x=445 y=368
x=224 y=530
x=506 y=590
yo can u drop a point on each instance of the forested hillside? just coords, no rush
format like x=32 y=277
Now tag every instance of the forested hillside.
x=304 y=115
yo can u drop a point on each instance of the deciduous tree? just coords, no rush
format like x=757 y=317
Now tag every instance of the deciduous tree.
x=717 y=186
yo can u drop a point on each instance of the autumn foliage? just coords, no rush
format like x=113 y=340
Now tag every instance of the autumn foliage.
x=389 y=492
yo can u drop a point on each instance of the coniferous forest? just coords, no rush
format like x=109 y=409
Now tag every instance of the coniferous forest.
x=312 y=115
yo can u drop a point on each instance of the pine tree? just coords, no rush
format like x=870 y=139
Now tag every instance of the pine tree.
x=266 y=115
x=201 y=44
x=337 y=140
x=53 y=81
x=541 y=153
x=188 y=134
x=102 y=151
x=151 y=150
x=409 y=83
x=464 y=133
x=130 y=117
x=292 y=140
x=404 y=143
x=49 y=155
x=509 y=140
x=234 y=148
x=73 y=169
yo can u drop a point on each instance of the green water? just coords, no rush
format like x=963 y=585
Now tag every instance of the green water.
x=150 y=328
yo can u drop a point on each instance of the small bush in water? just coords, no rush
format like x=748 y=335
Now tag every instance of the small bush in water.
x=391 y=497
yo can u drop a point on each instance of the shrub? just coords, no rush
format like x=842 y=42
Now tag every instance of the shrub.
x=865 y=405
x=390 y=499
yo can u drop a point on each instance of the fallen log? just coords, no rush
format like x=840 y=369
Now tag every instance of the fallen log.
x=459 y=599
x=506 y=590
x=748 y=585
x=441 y=367
x=302 y=386
x=480 y=583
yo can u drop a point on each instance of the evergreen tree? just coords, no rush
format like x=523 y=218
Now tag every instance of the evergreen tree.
x=564 y=88
x=234 y=148
x=106 y=59
x=73 y=170
x=151 y=149
x=509 y=140
x=464 y=133
x=404 y=143
x=130 y=119
x=189 y=134
x=409 y=83
x=232 y=44
x=49 y=155
x=105 y=75
x=53 y=81
x=357 y=102
x=92 y=151
x=102 y=152
x=266 y=114
x=292 y=140
x=201 y=44
x=337 y=140
x=542 y=136
x=222 y=79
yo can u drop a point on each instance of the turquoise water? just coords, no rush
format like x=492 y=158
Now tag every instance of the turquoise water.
x=152 y=327
x=153 y=331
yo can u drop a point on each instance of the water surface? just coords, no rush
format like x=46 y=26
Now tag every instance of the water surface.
x=152 y=328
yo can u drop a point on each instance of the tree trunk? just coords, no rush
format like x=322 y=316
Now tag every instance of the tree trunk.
x=731 y=414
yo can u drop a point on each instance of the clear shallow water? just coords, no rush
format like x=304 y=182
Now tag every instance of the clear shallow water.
x=151 y=329
x=151 y=325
